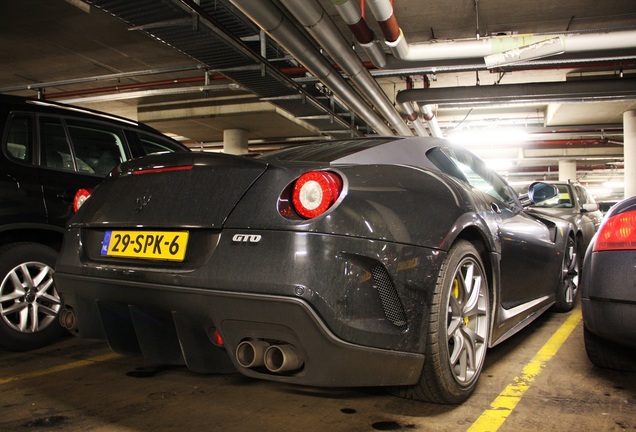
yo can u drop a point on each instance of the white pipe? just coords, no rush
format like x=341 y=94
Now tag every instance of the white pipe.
x=382 y=10
x=312 y=16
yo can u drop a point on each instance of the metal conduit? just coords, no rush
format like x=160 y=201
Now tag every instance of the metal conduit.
x=272 y=20
x=579 y=91
x=318 y=24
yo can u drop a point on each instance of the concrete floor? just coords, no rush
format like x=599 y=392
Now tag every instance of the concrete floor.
x=78 y=385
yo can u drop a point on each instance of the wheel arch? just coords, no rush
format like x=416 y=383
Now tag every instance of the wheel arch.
x=474 y=229
x=479 y=240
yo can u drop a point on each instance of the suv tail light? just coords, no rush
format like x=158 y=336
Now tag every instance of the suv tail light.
x=315 y=192
x=80 y=197
x=617 y=233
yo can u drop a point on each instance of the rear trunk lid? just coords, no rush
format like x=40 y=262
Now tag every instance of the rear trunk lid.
x=193 y=190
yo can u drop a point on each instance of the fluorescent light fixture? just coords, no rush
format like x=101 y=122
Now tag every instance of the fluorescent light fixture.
x=533 y=51
x=147 y=93
x=614 y=184
x=599 y=192
x=499 y=165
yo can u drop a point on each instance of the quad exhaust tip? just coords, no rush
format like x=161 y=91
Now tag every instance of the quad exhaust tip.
x=277 y=358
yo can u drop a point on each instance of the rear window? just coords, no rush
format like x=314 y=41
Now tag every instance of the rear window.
x=324 y=151
x=19 y=143
x=155 y=145
x=80 y=146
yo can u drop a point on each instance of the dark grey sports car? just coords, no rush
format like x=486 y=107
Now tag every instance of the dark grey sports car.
x=366 y=262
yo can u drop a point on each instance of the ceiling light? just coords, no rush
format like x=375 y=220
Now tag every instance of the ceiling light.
x=612 y=184
x=499 y=165
x=488 y=137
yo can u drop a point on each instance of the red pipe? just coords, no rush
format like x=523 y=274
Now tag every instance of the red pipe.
x=118 y=88
x=571 y=142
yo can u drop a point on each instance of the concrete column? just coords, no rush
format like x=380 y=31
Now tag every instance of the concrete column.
x=235 y=141
x=567 y=170
x=629 y=150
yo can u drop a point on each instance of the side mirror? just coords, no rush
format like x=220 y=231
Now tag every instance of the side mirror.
x=537 y=192
x=590 y=207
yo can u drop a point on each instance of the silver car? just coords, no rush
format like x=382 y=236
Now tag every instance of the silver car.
x=575 y=204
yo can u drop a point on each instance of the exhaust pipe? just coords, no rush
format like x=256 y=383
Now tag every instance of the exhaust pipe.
x=251 y=353
x=67 y=319
x=282 y=358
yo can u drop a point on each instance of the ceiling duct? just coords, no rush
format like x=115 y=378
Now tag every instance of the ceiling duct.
x=502 y=94
x=274 y=22
x=318 y=24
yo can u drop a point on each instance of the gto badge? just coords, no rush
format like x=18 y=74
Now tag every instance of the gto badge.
x=246 y=238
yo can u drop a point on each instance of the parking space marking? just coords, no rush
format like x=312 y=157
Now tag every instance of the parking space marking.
x=492 y=419
x=60 y=368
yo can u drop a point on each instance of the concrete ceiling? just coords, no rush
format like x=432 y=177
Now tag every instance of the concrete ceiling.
x=74 y=51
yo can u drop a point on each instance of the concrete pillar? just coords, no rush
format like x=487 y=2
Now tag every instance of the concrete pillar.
x=567 y=170
x=235 y=141
x=629 y=150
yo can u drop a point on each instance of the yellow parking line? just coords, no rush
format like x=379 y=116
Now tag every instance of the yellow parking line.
x=492 y=419
x=59 y=368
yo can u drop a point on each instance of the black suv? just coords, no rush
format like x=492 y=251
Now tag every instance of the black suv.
x=49 y=152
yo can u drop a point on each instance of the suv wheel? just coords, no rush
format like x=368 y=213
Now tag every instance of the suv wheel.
x=29 y=302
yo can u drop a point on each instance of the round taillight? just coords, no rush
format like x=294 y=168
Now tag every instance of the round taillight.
x=80 y=197
x=314 y=192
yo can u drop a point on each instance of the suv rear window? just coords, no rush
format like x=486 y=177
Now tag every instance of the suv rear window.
x=19 y=143
x=85 y=147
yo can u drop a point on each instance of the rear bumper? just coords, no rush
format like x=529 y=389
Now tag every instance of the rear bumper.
x=356 y=310
x=608 y=296
x=183 y=334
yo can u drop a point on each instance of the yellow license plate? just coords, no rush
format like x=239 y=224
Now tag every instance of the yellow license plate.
x=159 y=245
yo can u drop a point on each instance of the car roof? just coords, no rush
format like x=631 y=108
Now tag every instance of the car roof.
x=368 y=150
x=51 y=107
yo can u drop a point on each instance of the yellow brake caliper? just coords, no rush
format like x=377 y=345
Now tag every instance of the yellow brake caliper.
x=456 y=295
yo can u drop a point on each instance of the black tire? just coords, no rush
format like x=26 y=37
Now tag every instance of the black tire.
x=608 y=355
x=29 y=302
x=568 y=288
x=457 y=330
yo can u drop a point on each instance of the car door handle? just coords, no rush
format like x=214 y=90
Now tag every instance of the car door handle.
x=495 y=208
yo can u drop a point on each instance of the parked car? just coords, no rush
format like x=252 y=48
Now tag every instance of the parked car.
x=608 y=297
x=49 y=151
x=364 y=262
x=605 y=206
x=575 y=204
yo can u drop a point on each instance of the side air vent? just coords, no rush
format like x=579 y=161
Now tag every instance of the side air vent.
x=393 y=309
